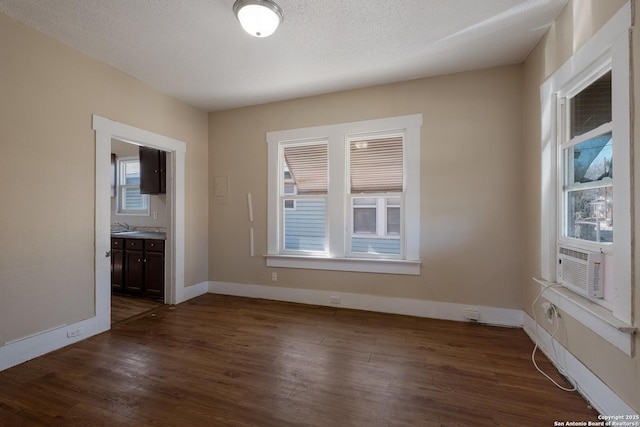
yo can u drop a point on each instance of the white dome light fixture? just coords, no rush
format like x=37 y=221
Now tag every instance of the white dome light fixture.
x=260 y=18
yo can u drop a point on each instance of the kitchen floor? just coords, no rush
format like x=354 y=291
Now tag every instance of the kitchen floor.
x=125 y=308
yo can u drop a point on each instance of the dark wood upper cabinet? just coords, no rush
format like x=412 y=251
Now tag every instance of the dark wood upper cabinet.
x=113 y=175
x=163 y=171
x=153 y=175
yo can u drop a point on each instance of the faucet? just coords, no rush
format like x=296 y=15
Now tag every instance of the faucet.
x=123 y=225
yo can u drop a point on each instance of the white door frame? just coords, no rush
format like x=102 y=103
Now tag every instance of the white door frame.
x=174 y=284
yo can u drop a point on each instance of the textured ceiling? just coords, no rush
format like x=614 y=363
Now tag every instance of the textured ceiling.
x=195 y=50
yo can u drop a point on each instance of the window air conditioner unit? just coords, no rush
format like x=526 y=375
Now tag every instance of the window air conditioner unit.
x=581 y=271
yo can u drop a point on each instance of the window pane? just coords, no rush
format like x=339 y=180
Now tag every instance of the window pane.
x=393 y=201
x=131 y=173
x=393 y=220
x=132 y=199
x=376 y=165
x=304 y=226
x=590 y=214
x=289 y=188
x=367 y=245
x=364 y=220
x=364 y=201
x=590 y=160
x=591 y=107
x=307 y=166
x=289 y=184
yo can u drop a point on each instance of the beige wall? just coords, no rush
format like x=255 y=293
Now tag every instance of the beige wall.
x=49 y=93
x=470 y=179
x=577 y=23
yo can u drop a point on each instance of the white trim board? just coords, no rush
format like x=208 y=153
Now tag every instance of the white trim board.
x=595 y=317
x=609 y=47
x=105 y=130
x=411 y=307
x=601 y=397
x=195 y=290
x=336 y=254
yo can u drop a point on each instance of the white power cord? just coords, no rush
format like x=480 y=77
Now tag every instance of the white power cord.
x=555 y=331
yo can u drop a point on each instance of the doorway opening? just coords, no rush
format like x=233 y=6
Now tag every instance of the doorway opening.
x=105 y=131
x=139 y=221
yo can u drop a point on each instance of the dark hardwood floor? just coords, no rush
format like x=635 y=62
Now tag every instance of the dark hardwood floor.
x=124 y=308
x=229 y=361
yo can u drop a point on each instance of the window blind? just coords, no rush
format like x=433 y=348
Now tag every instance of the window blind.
x=133 y=200
x=376 y=165
x=592 y=106
x=308 y=167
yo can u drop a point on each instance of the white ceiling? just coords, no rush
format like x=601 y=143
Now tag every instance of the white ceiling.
x=196 y=51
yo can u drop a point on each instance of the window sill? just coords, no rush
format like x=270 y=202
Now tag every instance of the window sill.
x=386 y=266
x=595 y=317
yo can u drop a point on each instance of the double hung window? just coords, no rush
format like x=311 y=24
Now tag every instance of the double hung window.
x=586 y=168
x=586 y=196
x=341 y=196
x=304 y=197
x=129 y=199
x=376 y=193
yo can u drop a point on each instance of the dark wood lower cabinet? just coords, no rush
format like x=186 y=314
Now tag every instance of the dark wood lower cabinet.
x=154 y=274
x=117 y=264
x=154 y=268
x=138 y=269
x=134 y=272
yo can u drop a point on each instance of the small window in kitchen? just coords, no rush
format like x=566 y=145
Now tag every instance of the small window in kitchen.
x=129 y=199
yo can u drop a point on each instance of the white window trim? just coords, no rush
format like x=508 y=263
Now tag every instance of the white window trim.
x=576 y=84
x=128 y=212
x=610 y=45
x=337 y=258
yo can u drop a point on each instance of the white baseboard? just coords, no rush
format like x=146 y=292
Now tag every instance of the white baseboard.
x=193 y=291
x=412 y=307
x=21 y=350
x=601 y=397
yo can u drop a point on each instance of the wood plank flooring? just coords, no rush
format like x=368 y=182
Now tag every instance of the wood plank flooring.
x=125 y=308
x=229 y=361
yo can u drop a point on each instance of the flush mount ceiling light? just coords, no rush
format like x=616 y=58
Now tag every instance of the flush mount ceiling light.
x=260 y=18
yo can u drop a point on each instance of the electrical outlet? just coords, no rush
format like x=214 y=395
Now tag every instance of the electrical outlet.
x=334 y=299
x=155 y=214
x=472 y=315
x=74 y=333
x=274 y=276
x=549 y=311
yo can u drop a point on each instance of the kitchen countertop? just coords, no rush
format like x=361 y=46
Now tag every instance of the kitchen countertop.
x=139 y=235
